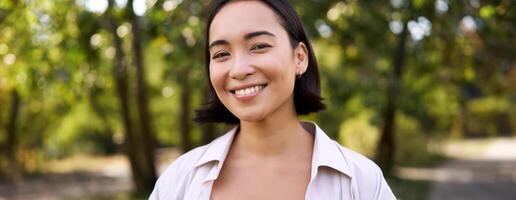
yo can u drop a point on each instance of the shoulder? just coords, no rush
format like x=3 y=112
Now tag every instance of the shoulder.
x=359 y=164
x=186 y=171
x=184 y=163
x=176 y=177
x=367 y=176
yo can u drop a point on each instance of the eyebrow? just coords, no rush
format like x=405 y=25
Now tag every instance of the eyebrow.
x=246 y=37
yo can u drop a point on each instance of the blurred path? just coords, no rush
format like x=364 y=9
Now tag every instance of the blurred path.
x=481 y=169
x=476 y=179
x=80 y=177
x=56 y=186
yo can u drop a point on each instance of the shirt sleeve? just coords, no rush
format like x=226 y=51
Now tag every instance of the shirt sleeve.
x=367 y=178
x=165 y=181
x=155 y=193
x=383 y=191
x=169 y=184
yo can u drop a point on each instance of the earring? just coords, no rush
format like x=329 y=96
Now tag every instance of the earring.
x=299 y=74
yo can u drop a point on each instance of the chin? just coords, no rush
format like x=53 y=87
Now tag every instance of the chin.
x=250 y=117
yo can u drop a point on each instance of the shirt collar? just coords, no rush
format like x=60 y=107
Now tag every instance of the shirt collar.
x=326 y=152
x=218 y=149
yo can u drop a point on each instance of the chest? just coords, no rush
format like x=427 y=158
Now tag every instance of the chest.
x=264 y=182
x=202 y=185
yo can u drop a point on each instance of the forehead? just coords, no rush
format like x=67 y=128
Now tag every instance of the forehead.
x=240 y=17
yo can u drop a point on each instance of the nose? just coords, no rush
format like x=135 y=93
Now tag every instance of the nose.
x=241 y=68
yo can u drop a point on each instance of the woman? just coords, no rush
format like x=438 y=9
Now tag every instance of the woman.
x=263 y=74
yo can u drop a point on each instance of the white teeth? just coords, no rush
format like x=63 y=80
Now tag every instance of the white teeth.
x=248 y=91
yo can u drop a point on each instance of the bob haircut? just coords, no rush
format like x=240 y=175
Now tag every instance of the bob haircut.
x=307 y=89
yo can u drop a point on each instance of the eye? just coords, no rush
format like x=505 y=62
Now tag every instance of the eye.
x=220 y=54
x=260 y=46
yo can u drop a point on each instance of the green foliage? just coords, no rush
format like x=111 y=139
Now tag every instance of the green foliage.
x=412 y=148
x=489 y=105
x=490 y=116
x=358 y=134
x=165 y=108
x=444 y=103
x=80 y=131
x=487 y=11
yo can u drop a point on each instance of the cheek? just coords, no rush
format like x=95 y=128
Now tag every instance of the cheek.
x=216 y=77
x=280 y=67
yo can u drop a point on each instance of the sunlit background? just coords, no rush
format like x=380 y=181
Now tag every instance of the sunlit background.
x=97 y=96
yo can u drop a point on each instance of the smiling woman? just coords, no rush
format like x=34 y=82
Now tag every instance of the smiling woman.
x=263 y=74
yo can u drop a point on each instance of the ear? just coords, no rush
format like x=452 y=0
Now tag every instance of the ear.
x=301 y=58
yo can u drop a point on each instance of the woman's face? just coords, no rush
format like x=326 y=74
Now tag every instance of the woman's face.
x=252 y=63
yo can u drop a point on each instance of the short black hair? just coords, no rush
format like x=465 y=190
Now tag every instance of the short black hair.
x=307 y=89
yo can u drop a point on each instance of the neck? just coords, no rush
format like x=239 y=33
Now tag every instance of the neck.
x=280 y=134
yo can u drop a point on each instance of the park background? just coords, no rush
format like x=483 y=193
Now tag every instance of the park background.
x=97 y=96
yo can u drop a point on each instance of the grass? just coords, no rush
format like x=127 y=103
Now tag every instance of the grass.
x=409 y=189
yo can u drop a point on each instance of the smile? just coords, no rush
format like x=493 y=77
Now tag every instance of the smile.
x=248 y=92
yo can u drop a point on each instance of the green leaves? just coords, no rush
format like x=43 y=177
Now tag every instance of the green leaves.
x=487 y=12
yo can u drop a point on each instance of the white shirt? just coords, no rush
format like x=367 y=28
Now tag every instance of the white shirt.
x=336 y=173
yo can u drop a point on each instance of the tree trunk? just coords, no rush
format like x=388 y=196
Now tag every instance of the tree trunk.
x=184 y=119
x=120 y=73
x=387 y=145
x=13 y=172
x=11 y=127
x=147 y=136
x=121 y=81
